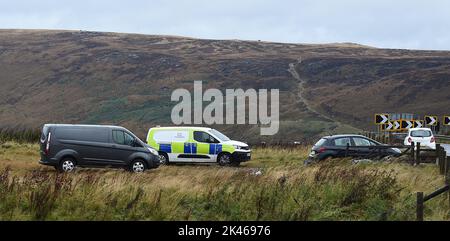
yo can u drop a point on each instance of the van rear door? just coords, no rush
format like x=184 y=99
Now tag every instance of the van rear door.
x=44 y=141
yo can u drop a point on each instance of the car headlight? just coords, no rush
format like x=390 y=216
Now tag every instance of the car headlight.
x=237 y=147
x=153 y=151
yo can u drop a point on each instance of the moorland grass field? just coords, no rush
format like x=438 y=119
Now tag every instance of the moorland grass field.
x=274 y=185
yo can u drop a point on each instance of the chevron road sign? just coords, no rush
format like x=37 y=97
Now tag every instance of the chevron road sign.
x=419 y=123
x=396 y=125
x=431 y=120
x=388 y=126
x=407 y=124
x=381 y=119
x=446 y=120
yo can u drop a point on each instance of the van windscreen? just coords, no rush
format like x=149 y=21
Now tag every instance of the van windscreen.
x=219 y=135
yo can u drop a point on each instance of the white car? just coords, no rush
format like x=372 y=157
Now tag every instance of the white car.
x=424 y=136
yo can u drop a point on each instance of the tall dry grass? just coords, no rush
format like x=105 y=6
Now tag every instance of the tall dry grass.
x=273 y=186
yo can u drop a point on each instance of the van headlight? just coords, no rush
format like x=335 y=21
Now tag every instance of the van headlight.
x=237 y=147
x=153 y=151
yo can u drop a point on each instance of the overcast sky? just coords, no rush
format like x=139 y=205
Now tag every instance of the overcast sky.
x=413 y=24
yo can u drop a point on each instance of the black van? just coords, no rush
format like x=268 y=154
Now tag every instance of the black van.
x=67 y=146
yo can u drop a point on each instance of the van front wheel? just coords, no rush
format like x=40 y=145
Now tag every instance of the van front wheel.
x=163 y=158
x=138 y=166
x=224 y=159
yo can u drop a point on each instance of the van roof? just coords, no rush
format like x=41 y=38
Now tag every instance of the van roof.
x=182 y=127
x=342 y=135
x=76 y=125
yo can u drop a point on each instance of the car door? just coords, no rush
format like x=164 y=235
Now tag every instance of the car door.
x=206 y=147
x=340 y=146
x=362 y=147
x=122 y=147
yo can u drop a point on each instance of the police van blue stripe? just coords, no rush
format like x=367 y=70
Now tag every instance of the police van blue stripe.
x=215 y=149
x=187 y=148
x=212 y=149
x=167 y=148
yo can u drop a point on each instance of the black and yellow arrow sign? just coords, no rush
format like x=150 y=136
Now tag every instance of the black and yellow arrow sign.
x=431 y=120
x=446 y=120
x=381 y=119
x=397 y=125
x=407 y=124
x=387 y=127
x=419 y=123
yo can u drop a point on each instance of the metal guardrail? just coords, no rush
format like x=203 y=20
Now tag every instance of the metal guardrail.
x=442 y=138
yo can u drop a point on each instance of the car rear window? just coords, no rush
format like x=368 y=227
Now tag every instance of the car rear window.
x=421 y=133
x=321 y=142
x=342 y=141
x=361 y=142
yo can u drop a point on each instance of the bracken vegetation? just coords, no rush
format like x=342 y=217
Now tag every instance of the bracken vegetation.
x=19 y=134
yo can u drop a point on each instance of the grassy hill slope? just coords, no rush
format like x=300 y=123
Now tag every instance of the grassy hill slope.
x=127 y=79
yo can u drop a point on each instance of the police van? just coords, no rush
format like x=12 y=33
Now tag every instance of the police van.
x=198 y=145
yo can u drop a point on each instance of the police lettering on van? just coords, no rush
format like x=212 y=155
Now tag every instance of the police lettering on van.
x=197 y=144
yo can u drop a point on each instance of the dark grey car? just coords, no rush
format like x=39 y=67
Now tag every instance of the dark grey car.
x=349 y=145
x=68 y=146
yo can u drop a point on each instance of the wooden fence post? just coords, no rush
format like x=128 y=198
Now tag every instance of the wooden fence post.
x=412 y=153
x=447 y=168
x=447 y=175
x=442 y=157
x=417 y=161
x=438 y=157
x=419 y=207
